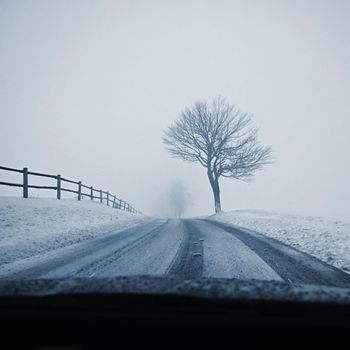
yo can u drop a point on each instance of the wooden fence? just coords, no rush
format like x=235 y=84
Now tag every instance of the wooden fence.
x=82 y=190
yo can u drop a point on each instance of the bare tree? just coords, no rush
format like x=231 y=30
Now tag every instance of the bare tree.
x=220 y=138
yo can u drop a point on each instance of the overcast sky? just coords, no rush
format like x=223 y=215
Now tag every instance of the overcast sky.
x=88 y=87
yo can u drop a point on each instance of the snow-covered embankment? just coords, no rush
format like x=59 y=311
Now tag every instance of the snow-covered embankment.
x=36 y=225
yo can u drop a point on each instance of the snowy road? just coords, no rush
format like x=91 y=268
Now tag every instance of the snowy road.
x=187 y=248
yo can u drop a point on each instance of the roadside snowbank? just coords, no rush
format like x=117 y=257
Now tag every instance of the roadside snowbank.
x=36 y=225
x=325 y=239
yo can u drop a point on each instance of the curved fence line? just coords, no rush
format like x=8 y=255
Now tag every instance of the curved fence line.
x=102 y=196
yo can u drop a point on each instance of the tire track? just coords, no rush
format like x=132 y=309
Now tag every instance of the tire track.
x=188 y=262
x=292 y=265
x=99 y=265
x=68 y=261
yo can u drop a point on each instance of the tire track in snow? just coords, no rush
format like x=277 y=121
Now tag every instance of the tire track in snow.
x=99 y=266
x=66 y=261
x=225 y=256
x=292 y=265
x=188 y=262
x=151 y=257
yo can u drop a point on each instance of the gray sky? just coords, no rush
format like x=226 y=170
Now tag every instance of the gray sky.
x=88 y=87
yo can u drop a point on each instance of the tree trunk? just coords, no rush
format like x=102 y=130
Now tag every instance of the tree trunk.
x=214 y=183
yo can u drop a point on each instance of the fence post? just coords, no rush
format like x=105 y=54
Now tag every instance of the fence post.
x=25 y=182
x=92 y=193
x=58 y=186
x=100 y=196
x=79 y=190
x=107 y=198
x=114 y=202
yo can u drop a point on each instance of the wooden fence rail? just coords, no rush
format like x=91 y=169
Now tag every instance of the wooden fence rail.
x=93 y=193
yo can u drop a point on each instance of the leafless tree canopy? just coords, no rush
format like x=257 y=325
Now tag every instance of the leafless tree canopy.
x=220 y=138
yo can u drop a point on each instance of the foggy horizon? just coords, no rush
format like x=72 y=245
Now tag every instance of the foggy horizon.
x=88 y=89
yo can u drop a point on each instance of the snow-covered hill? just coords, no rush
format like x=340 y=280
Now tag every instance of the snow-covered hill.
x=35 y=225
x=325 y=239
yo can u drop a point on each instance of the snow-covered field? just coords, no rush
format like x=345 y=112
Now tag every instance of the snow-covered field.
x=325 y=239
x=35 y=225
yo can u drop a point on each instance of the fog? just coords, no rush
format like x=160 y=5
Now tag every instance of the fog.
x=88 y=87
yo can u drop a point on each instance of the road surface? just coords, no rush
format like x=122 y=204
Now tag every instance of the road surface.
x=190 y=249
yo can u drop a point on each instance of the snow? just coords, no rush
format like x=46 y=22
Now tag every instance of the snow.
x=34 y=226
x=322 y=238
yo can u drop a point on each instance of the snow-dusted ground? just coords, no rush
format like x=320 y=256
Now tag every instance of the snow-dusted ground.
x=36 y=225
x=325 y=239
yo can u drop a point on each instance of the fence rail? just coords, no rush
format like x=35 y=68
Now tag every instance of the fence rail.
x=103 y=196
